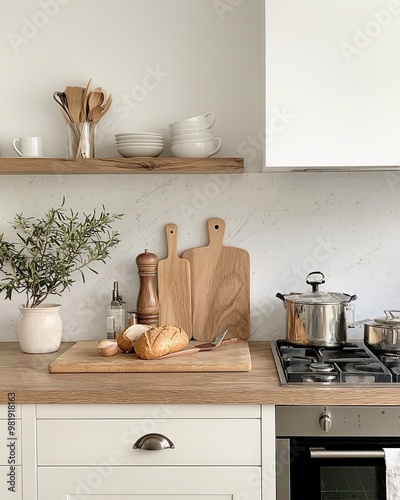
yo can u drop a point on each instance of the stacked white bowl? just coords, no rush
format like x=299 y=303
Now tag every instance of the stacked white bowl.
x=139 y=144
x=192 y=137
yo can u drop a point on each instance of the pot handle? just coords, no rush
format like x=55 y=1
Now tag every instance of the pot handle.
x=280 y=296
x=360 y=322
x=351 y=297
x=391 y=314
x=350 y=312
x=316 y=282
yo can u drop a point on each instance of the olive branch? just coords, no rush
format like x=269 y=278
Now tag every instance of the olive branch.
x=49 y=250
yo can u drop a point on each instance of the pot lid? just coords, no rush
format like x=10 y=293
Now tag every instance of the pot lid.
x=317 y=296
x=392 y=318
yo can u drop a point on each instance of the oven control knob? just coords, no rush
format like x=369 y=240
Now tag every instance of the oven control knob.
x=325 y=422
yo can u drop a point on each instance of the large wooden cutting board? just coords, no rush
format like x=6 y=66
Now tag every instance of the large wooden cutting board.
x=220 y=277
x=174 y=295
x=83 y=357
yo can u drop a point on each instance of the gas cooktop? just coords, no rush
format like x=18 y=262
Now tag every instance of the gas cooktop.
x=352 y=363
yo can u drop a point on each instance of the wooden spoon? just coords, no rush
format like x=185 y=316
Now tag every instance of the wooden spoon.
x=106 y=106
x=96 y=98
x=99 y=110
x=96 y=114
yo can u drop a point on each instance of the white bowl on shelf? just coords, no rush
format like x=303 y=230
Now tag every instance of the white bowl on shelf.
x=207 y=119
x=203 y=134
x=186 y=128
x=140 y=150
x=139 y=135
x=129 y=142
x=140 y=144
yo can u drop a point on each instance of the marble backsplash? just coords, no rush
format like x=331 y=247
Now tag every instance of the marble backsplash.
x=343 y=224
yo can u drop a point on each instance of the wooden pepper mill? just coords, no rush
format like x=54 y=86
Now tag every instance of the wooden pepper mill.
x=147 y=306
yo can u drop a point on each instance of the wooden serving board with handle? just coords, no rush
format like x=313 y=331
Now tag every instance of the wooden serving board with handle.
x=174 y=293
x=83 y=357
x=220 y=277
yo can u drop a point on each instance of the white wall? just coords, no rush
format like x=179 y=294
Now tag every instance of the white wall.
x=210 y=58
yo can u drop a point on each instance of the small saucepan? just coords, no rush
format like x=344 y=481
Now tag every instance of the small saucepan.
x=383 y=334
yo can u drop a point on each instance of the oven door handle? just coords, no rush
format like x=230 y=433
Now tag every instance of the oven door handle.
x=323 y=453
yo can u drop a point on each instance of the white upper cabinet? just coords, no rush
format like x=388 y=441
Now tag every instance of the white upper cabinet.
x=332 y=84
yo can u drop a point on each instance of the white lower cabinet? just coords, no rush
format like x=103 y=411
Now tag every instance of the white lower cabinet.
x=88 y=452
x=100 y=452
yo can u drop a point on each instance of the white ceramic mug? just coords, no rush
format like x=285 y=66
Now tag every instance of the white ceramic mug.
x=28 y=146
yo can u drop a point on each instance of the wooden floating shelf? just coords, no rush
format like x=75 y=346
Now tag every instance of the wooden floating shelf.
x=160 y=165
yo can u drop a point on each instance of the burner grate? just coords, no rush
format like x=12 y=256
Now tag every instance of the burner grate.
x=352 y=364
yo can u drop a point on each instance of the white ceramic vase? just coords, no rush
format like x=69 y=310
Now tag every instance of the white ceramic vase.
x=39 y=328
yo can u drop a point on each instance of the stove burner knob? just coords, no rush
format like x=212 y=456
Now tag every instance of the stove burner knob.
x=325 y=422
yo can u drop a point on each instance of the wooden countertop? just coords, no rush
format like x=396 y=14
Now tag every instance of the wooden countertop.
x=27 y=376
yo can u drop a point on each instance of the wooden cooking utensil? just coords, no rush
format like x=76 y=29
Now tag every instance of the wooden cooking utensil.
x=98 y=111
x=96 y=98
x=198 y=348
x=220 y=278
x=75 y=100
x=85 y=98
x=107 y=105
x=174 y=286
x=96 y=114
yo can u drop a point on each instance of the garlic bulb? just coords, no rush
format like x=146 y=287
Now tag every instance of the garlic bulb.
x=107 y=347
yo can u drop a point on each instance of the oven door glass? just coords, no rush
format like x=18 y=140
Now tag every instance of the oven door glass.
x=333 y=469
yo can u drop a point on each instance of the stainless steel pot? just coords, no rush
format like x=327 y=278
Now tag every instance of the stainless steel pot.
x=383 y=334
x=316 y=318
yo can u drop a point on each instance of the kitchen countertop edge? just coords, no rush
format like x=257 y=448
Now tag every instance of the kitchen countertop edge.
x=27 y=376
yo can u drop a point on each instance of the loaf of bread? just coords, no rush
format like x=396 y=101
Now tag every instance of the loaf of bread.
x=160 y=340
x=128 y=337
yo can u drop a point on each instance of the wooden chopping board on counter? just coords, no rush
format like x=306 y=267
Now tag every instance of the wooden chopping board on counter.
x=220 y=279
x=83 y=357
x=174 y=293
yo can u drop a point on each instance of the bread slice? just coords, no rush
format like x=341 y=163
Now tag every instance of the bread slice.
x=160 y=340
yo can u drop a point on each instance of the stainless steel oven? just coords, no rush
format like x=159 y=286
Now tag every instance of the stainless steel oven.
x=334 y=453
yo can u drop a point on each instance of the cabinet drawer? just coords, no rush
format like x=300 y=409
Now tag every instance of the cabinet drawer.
x=109 y=441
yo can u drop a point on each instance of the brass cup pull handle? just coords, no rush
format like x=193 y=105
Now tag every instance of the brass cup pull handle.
x=153 y=442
